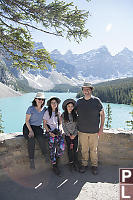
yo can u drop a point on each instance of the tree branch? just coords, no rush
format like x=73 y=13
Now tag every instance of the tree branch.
x=31 y=26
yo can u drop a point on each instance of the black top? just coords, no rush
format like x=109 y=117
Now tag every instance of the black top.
x=89 y=114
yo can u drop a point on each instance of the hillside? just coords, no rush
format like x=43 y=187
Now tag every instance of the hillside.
x=5 y=91
x=10 y=77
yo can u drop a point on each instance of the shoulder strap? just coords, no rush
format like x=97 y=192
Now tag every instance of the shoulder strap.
x=58 y=121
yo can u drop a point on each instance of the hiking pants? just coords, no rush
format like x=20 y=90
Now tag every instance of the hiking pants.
x=88 y=143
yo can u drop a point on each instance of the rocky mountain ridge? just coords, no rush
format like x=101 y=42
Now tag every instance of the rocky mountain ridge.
x=96 y=65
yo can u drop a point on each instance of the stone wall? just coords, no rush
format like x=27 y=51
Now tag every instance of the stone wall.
x=114 y=149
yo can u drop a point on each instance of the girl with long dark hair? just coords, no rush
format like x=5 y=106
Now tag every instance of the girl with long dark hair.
x=51 y=122
x=69 y=124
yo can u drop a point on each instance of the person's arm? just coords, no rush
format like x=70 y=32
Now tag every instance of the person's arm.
x=45 y=125
x=75 y=131
x=102 y=119
x=47 y=129
x=65 y=128
x=60 y=123
x=31 y=133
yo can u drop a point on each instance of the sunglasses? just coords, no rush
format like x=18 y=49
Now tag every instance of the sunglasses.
x=40 y=99
x=54 y=102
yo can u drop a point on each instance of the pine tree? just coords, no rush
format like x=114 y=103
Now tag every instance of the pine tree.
x=130 y=122
x=19 y=17
x=1 y=127
x=108 y=116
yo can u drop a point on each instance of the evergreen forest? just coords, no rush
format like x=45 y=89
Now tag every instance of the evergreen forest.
x=116 y=91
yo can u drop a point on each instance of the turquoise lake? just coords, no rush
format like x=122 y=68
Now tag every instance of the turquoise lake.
x=13 y=111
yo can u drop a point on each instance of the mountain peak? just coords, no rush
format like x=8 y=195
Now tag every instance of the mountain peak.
x=38 y=45
x=126 y=52
x=103 y=49
x=55 y=52
x=69 y=52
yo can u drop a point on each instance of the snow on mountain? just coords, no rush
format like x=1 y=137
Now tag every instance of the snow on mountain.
x=38 y=81
x=99 y=63
x=43 y=83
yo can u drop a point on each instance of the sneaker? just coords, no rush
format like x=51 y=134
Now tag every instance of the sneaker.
x=56 y=169
x=82 y=169
x=94 y=170
x=32 y=164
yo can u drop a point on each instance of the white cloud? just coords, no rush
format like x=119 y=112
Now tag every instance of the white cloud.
x=108 y=27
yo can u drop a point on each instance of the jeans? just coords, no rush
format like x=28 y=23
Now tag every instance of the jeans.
x=38 y=135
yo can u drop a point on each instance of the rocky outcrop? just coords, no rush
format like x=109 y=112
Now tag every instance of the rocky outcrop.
x=114 y=149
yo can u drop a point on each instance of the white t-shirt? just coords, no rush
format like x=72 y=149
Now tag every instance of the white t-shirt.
x=53 y=121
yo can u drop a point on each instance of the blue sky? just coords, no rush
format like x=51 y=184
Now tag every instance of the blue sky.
x=110 y=24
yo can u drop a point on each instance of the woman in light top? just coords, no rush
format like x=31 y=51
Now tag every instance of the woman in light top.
x=69 y=124
x=33 y=126
x=52 y=121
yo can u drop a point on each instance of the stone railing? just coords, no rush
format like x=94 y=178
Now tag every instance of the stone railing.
x=115 y=148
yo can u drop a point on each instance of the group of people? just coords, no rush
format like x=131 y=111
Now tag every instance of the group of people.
x=80 y=124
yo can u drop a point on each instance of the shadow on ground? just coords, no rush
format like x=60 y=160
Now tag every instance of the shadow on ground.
x=46 y=185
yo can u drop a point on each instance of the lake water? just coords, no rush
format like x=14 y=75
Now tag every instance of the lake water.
x=13 y=111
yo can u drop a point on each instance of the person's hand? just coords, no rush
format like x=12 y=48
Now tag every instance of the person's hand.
x=51 y=134
x=100 y=131
x=31 y=134
x=72 y=137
